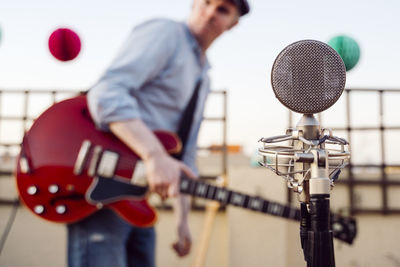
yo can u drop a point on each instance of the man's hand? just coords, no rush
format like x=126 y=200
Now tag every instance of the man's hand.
x=184 y=243
x=163 y=171
x=163 y=174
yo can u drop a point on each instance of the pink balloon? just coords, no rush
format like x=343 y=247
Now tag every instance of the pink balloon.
x=64 y=44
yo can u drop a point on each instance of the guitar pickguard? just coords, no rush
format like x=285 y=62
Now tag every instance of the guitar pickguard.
x=108 y=190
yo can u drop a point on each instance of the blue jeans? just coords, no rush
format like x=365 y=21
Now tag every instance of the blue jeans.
x=105 y=240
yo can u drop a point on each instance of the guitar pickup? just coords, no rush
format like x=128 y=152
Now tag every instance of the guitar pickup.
x=139 y=174
x=95 y=158
x=108 y=164
x=82 y=156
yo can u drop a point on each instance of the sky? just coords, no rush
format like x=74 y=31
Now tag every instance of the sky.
x=241 y=59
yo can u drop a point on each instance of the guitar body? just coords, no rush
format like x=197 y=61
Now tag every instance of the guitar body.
x=54 y=176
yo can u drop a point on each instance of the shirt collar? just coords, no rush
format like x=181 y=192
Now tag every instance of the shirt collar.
x=201 y=57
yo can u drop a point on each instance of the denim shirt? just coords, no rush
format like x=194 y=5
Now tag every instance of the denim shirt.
x=152 y=79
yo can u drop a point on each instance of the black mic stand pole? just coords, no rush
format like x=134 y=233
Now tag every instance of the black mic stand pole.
x=315 y=233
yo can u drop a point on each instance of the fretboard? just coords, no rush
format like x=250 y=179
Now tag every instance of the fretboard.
x=229 y=197
x=344 y=228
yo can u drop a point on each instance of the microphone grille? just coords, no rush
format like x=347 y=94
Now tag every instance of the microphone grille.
x=308 y=76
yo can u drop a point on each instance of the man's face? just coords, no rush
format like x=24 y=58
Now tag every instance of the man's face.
x=210 y=18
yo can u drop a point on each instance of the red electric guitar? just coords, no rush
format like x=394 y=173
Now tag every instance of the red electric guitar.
x=67 y=169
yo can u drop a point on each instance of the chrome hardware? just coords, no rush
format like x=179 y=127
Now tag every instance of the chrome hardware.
x=24 y=165
x=95 y=158
x=32 y=190
x=82 y=156
x=38 y=209
x=61 y=209
x=327 y=131
x=108 y=163
x=296 y=185
x=304 y=157
x=293 y=155
x=53 y=188
x=139 y=174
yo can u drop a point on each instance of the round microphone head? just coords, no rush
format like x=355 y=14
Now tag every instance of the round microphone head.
x=308 y=76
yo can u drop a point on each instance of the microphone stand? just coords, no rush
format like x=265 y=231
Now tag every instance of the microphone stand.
x=308 y=77
x=305 y=165
x=315 y=233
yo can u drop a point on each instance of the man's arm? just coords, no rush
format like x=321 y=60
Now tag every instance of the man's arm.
x=163 y=171
x=181 y=208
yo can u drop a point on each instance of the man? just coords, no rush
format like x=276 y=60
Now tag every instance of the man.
x=147 y=87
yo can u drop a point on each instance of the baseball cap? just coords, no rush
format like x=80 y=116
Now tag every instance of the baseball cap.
x=243 y=6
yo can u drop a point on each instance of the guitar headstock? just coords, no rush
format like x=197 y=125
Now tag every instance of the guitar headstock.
x=344 y=228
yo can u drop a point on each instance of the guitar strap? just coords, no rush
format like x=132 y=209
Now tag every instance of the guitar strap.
x=187 y=119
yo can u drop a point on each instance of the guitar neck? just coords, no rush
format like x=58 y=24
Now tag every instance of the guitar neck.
x=343 y=228
x=229 y=197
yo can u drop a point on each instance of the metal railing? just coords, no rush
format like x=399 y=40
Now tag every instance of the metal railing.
x=381 y=179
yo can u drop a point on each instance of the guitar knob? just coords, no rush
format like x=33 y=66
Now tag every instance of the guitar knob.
x=38 y=209
x=53 y=188
x=61 y=209
x=32 y=190
x=70 y=187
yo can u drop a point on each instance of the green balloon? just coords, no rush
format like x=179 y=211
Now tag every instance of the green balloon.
x=347 y=48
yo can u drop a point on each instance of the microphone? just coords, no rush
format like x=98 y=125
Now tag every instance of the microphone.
x=308 y=77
